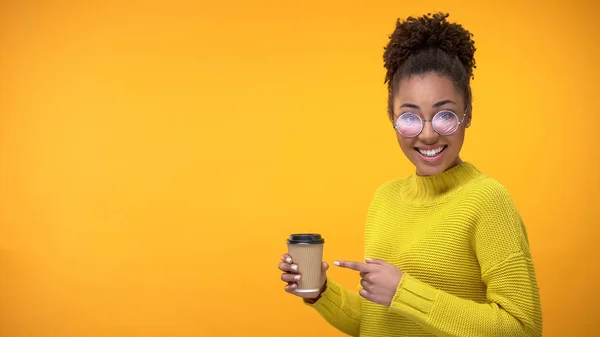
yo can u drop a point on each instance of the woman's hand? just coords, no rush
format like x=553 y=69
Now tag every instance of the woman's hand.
x=291 y=277
x=379 y=279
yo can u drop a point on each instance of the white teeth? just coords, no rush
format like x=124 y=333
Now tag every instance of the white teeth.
x=431 y=153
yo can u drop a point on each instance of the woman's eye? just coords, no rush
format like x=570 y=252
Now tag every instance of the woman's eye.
x=411 y=118
x=446 y=115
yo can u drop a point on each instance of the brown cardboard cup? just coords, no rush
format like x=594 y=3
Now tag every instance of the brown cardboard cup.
x=306 y=251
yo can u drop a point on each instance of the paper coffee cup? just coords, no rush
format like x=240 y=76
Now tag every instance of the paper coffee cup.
x=306 y=251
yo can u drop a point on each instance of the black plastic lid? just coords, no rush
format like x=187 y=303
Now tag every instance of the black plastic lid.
x=305 y=239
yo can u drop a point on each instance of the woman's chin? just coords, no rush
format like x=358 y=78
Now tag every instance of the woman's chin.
x=427 y=169
x=431 y=165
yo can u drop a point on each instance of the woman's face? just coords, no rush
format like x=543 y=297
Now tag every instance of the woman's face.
x=425 y=95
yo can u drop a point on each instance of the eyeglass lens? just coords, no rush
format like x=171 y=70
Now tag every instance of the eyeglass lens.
x=444 y=122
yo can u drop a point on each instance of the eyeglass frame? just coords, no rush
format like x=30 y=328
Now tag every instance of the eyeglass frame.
x=431 y=121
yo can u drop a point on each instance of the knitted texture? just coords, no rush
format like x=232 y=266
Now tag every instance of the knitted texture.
x=464 y=251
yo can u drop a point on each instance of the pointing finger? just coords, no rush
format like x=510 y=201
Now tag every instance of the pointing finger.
x=359 y=266
x=375 y=261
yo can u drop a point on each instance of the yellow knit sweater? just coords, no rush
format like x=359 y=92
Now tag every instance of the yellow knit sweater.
x=464 y=251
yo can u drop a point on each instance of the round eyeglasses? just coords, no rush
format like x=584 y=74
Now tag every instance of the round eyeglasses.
x=444 y=122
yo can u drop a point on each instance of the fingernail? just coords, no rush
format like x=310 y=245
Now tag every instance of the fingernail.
x=297 y=277
x=337 y=263
x=295 y=268
x=367 y=259
x=288 y=260
x=294 y=285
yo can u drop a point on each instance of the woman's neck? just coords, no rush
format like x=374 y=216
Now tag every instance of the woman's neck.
x=430 y=189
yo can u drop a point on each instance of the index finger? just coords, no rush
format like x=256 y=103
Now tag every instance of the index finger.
x=358 y=266
x=286 y=258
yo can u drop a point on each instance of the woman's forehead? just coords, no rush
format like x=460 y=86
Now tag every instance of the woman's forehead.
x=427 y=89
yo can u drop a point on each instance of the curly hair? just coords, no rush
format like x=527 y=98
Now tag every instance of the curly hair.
x=425 y=44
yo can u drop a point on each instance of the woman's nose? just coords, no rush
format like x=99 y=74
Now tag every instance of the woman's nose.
x=428 y=135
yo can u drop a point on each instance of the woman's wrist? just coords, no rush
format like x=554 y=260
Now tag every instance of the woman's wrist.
x=321 y=291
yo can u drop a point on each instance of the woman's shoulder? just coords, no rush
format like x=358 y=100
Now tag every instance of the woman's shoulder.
x=490 y=196
x=390 y=186
x=487 y=188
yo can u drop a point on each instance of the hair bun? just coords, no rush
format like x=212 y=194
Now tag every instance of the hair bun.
x=430 y=31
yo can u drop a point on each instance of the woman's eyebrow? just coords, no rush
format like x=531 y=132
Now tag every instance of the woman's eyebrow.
x=410 y=105
x=436 y=105
x=440 y=103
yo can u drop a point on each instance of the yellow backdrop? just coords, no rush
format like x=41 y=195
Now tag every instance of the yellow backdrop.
x=154 y=157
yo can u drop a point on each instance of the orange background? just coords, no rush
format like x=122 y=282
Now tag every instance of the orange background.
x=154 y=157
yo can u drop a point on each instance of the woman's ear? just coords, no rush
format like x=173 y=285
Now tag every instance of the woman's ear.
x=469 y=117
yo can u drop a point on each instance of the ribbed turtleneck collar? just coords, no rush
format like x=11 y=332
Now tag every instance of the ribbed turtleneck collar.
x=429 y=189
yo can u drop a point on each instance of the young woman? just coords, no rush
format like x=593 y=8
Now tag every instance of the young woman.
x=446 y=250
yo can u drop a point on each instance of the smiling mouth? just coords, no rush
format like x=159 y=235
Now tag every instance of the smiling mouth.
x=433 y=152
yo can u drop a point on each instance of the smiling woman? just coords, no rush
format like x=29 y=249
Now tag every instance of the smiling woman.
x=432 y=147
x=447 y=253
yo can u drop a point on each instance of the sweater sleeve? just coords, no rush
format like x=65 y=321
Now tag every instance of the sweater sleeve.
x=512 y=307
x=340 y=307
